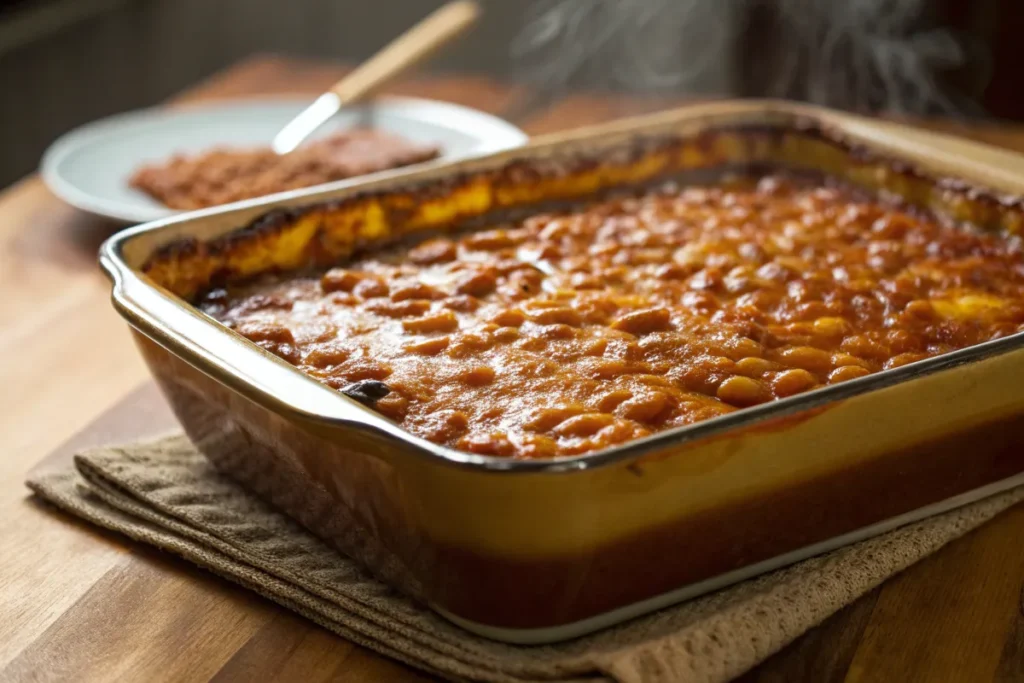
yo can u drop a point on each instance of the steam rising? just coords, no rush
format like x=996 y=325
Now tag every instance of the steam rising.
x=865 y=55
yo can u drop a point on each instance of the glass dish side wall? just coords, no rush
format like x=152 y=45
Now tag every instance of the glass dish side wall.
x=529 y=549
x=546 y=549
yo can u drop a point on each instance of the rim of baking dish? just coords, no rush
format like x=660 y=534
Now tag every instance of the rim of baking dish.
x=206 y=344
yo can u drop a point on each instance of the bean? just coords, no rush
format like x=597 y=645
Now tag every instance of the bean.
x=340 y=280
x=510 y=317
x=755 y=367
x=792 y=382
x=398 y=309
x=476 y=376
x=545 y=419
x=369 y=288
x=644 y=407
x=433 y=251
x=742 y=391
x=807 y=358
x=480 y=283
x=847 y=372
x=645 y=321
x=557 y=315
x=265 y=332
x=444 y=321
x=428 y=347
x=587 y=424
x=613 y=399
x=415 y=290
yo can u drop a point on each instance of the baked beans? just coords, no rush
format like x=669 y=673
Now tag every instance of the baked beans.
x=571 y=332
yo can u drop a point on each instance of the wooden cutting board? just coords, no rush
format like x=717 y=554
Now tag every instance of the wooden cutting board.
x=143 y=412
x=79 y=604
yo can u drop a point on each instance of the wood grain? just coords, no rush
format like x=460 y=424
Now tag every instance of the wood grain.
x=79 y=604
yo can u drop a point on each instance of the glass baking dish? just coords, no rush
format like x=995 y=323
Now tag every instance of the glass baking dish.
x=544 y=550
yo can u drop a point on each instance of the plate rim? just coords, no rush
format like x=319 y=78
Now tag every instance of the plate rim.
x=74 y=139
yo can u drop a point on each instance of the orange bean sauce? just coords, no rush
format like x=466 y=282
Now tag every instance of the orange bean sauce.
x=571 y=332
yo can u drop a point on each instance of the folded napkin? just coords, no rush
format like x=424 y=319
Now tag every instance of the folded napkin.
x=164 y=493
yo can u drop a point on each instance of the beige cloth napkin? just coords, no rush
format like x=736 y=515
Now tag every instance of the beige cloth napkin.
x=165 y=493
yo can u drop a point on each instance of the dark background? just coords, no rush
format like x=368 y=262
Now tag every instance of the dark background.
x=66 y=62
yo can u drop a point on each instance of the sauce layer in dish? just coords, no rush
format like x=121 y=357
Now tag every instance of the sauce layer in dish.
x=571 y=332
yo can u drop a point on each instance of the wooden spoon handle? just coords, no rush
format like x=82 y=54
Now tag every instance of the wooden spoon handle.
x=410 y=48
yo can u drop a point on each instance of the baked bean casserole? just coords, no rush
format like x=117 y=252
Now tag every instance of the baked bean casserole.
x=569 y=332
x=220 y=176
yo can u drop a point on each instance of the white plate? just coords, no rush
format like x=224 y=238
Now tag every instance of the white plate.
x=89 y=167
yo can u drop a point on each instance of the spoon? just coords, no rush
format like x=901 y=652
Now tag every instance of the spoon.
x=412 y=47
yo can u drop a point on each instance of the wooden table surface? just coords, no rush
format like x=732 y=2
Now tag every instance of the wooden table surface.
x=77 y=604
